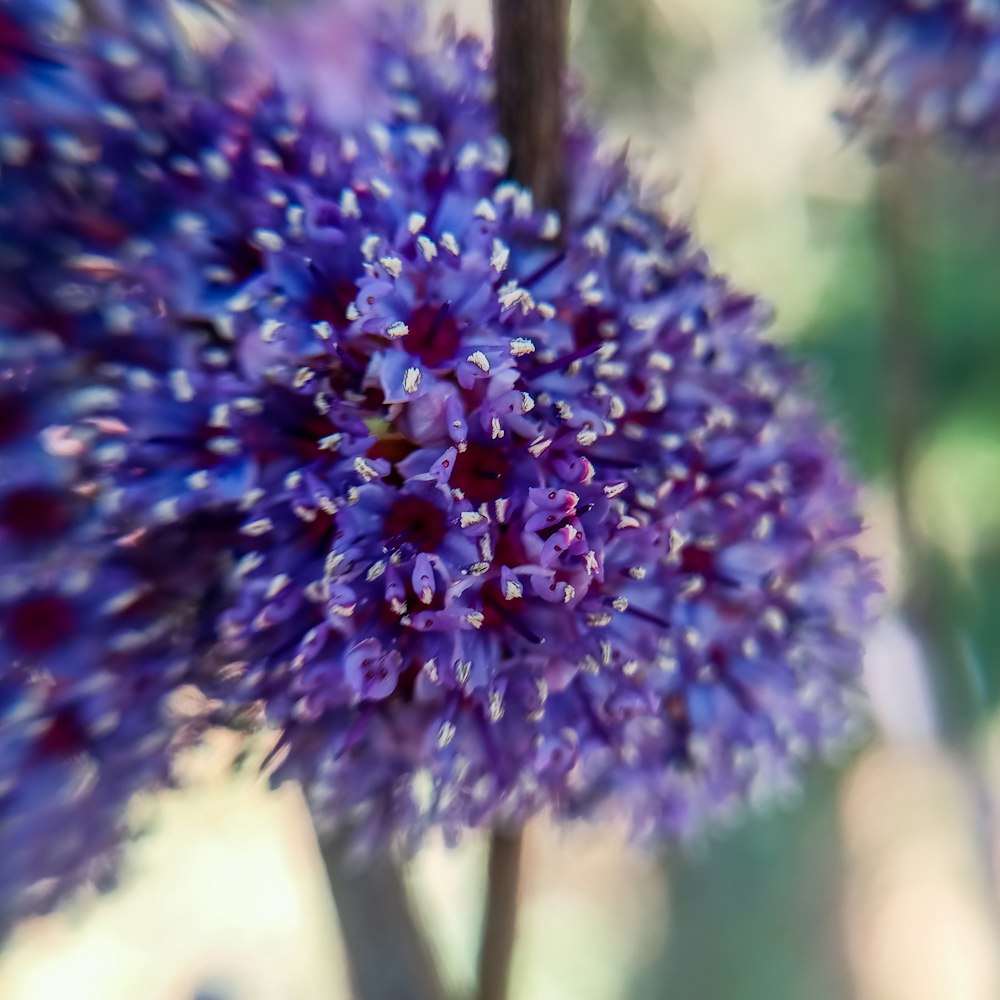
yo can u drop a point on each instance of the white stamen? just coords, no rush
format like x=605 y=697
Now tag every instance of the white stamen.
x=411 y=380
x=267 y=239
x=500 y=256
x=496 y=706
x=180 y=385
x=269 y=328
x=479 y=360
x=259 y=527
x=427 y=247
x=365 y=469
x=393 y=265
x=484 y=210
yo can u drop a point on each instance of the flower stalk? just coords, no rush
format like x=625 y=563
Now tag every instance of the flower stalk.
x=500 y=915
x=530 y=54
x=389 y=954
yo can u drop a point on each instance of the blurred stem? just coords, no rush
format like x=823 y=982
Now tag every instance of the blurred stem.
x=901 y=199
x=389 y=956
x=898 y=232
x=500 y=914
x=530 y=54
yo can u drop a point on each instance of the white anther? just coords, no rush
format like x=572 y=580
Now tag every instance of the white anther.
x=411 y=380
x=479 y=360
x=427 y=247
x=393 y=265
x=500 y=256
x=365 y=469
x=259 y=527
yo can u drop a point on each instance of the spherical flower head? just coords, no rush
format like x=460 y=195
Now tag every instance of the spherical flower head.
x=913 y=68
x=527 y=512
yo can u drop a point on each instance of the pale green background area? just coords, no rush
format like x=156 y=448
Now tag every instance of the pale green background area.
x=875 y=883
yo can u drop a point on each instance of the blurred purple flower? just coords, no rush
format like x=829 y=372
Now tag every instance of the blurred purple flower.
x=913 y=67
x=325 y=54
x=97 y=627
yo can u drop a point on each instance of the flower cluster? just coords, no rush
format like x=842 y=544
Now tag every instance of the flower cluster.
x=488 y=511
x=96 y=627
x=529 y=513
x=914 y=67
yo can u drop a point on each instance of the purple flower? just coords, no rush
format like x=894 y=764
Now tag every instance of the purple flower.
x=313 y=411
x=912 y=68
x=94 y=640
x=520 y=526
x=101 y=630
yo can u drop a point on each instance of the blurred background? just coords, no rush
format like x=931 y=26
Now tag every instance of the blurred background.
x=879 y=880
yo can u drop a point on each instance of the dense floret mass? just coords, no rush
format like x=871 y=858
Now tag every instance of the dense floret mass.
x=486 y=511
x=912 y=67
x=530 y=513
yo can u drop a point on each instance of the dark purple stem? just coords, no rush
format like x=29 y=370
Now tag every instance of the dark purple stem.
x=530 y=56
x=388 y=953
x=500 y=916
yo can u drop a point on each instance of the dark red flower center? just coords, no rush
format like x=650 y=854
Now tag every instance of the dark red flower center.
x=39 y=624
x=416 y=521
x=13 y=416
x=64 y=736
x=34 y=513
x=331 y=302
x=14 y=45
x=481 y=472
x=434 y=335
